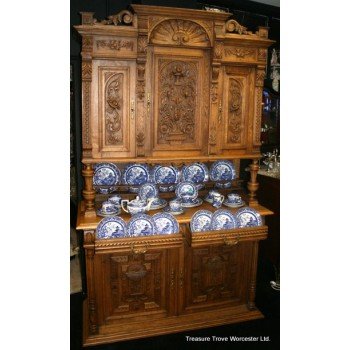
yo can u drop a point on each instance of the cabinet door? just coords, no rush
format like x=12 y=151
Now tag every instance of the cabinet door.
x=180 y=101
x=113 y=109
x=237 y=109
x=132 y=286
x=217 y=276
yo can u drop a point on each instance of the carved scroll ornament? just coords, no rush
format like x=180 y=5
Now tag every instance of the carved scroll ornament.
x=177 y=101
x=116 y=45
x=113 y=108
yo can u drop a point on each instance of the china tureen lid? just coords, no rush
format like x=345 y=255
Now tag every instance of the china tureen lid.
x=137 y=202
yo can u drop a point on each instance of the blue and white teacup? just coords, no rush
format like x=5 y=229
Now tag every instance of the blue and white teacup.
x=234 y=198
x=175 y=205
x=108 y=207
x=116 y=200
x=218 y=198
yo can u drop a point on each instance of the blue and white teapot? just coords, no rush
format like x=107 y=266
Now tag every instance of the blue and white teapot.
x=137 y=205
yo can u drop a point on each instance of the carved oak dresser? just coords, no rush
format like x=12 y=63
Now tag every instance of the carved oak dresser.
x=169 y=86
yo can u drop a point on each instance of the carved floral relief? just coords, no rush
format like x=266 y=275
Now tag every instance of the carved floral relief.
x=177 y=101
x=235 y=111
x=113 y=110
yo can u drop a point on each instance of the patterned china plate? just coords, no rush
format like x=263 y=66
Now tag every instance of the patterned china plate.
x=165 y=224
x=141 y=225
x=233 y=205
x=223 y=219
x=136 y=175
x=186 y=189
x=197 y=173
x=168 y=210
x=112 y=227
x=193 y=203
x=201 y=221
x=248 y=217
x=166 y=177
x=222 y=170
x=106 y=174
x=148 y=190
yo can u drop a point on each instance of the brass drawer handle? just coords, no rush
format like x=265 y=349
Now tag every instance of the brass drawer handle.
x=140 y=250
x=230 y=241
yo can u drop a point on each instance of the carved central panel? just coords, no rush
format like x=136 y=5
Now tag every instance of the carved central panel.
x=235 y=111
x=177 y=101
x=213 y=275
x=113 y=109
x=135 y=282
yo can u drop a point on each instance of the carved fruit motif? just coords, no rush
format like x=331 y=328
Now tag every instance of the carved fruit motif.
x=235 y=111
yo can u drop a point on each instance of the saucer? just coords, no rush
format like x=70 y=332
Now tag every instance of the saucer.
x=233 y=205
x=168 y=210
x=104 y=214
x=195 y=203
x=159 y=204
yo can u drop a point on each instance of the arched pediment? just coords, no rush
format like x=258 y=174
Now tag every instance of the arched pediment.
x=179 y=32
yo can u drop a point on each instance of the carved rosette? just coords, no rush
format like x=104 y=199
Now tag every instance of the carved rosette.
x=235 y=111
x=116 y=45
x=113 y=109
x=179 y=32
x=239 y=52
x=177 y=101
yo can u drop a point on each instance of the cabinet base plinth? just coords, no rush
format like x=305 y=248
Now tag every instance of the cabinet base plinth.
x=172 y=324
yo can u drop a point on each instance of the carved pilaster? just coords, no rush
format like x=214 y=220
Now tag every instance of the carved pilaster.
x=257 y=116
x=89 y=245
x=215 y=104
x=88 y=191
x=252 y=284
x=253 y=185
x=259 y=78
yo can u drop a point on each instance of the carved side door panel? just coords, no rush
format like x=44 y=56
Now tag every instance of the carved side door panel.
x=237 y=108
x=180 y=101
x=131 y=285
x=217 y=276
x=113 y=109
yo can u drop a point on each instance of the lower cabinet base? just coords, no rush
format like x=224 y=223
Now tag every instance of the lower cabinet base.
x=172 y=324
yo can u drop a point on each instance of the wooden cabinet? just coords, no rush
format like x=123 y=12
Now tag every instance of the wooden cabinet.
x=172 y=86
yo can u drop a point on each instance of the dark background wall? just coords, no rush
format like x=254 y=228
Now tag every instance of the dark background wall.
x=248 y=13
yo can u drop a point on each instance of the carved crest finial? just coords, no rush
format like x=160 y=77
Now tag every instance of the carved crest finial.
x=232 y=26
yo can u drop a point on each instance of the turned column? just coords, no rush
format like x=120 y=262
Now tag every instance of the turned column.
x=89 y=245
x=88 y=191
x=253 y=185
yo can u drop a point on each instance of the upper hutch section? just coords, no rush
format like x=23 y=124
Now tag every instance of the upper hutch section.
x=157 y=80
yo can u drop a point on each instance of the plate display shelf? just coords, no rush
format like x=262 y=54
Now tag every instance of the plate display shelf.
x=145 y=286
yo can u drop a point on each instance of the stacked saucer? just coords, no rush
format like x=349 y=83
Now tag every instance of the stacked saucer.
x=108 y=209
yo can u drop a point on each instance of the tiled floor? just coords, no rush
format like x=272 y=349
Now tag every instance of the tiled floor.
x=267 y=300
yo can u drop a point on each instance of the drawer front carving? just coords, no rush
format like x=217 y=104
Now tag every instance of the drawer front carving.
x=132 y=284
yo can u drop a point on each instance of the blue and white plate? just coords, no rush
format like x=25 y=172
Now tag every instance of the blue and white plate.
x=248 y=217
x=165 y=224
x=222 y=171
x=113 y=227
x=148 y=190
x=141 y=225
x=201 y=221
x=233 y=205
x=166 y=176
x=223 y=219
x=197 y=173
x=106 y=174
x=136 y=175
x=186 y=189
